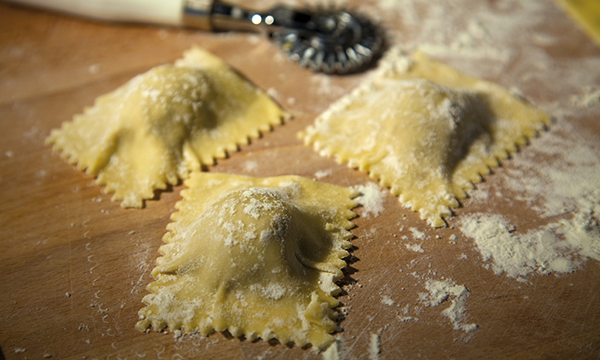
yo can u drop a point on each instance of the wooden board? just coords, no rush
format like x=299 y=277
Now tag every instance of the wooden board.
x=75 y=265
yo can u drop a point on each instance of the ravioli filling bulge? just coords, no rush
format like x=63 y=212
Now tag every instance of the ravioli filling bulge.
x=163 y=124
x=260 y=260
x=426 y=131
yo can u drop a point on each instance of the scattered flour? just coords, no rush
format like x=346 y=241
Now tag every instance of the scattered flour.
x=559 y=247
x=566 y=186
x=386 y=300
x=415 y=248
x=474 y=33
x=474 y=41
x=407 y=318
x=323 y=173
x=568 y=181
x=273 y=93
x=589 y=98
x=404 y=317
x=417 y=235
x=441 y=291
x=371 y=198
x=271 y=291
x=250 y=166
x=374 y=347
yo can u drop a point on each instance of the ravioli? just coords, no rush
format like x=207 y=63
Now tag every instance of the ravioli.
x=255 y=256
x=425 y=130
x=163 y=124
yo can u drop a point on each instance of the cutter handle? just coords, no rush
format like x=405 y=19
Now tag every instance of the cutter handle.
x=194 y=13
x=201 y=14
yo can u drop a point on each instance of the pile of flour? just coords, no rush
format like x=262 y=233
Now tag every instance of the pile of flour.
x=559 y=178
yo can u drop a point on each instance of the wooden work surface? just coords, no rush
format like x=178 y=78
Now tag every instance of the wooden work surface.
x=74 y=265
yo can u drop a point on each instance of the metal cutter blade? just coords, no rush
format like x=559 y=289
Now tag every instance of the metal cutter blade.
x=329 y=40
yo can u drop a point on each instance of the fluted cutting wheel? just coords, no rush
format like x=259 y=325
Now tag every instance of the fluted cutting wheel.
x=333 y=42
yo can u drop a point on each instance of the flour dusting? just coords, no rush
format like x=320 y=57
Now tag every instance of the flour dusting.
x=415 y=248
x=566 y=186
x=374 y=347
x=323 y=173
x=386 y=300
x=417 y=235
x=589 y=98
x=559 y=247
x=371 y=198
x=250 y=166
x=441 y=291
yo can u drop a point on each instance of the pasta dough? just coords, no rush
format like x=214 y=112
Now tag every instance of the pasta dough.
x=163 y=124
x=255 y=256
x=425 y=130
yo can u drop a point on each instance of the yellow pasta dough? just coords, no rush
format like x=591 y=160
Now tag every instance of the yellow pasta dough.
x=163 y=124
x=255 y=256
x=425 y=130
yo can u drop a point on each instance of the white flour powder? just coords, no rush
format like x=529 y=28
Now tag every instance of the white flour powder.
x=566 y=186
x=418 y=235
x=374 y=349
x=441 y=291
x=371 y=198
x=415 y=248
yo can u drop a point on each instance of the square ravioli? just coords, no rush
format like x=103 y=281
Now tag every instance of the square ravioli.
x=163 y=124
x=258 y=257
x=425 y=130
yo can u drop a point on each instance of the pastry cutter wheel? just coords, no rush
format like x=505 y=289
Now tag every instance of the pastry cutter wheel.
x=329 y=40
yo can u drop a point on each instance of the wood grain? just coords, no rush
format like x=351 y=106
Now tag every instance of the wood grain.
x=75 y=265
